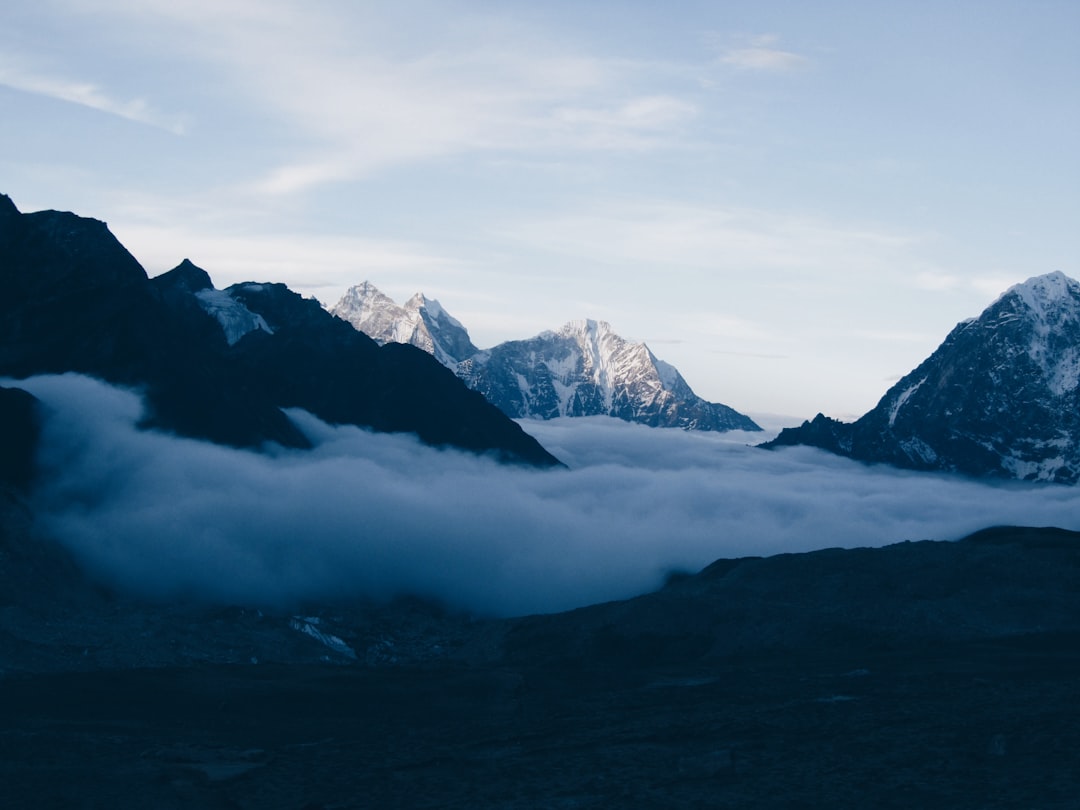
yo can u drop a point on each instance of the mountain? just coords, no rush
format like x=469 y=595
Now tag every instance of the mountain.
x=583 y=369
x=219 y=364
x=999 y=398
x=19 y=429
x=422 y=322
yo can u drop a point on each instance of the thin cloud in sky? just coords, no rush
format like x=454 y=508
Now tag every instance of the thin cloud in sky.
x=87 y=94
x=331 y=263
x=363 y=105
x=760 y=54
x=891 y=336
x=988 y=285
x=696 y=235
x=637 y=124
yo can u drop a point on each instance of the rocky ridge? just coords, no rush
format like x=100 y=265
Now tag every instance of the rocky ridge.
x=582 y=369
x=999 y=398
x=216 y=364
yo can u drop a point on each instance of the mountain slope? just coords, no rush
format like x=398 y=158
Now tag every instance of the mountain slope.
x=219 y=364
x=73 y=299
x=422 y=322
x=583 y=369
x=1000 y=397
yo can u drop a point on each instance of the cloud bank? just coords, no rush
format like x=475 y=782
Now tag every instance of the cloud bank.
x=378 y=515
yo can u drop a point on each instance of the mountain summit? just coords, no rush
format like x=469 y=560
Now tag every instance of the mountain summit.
x=422 y=322
x=1000 y=397
x=583 y=369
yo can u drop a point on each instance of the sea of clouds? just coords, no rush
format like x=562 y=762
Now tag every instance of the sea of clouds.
x=376 y=515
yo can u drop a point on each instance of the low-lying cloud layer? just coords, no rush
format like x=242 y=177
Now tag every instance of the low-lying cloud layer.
x=380 y=515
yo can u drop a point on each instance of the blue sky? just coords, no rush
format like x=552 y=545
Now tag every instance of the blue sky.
x=793 y=203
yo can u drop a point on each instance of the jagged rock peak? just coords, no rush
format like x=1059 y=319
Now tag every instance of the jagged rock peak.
x=417 y=302
x=422 y=322
x=7 y=206
x=186 y=276
x=583 y=369
x=1052 y=300
x=1000 y=397
x=1039 y=292
x=364 y=302
x=71 y=253
x=586 y=326
x=362 y=297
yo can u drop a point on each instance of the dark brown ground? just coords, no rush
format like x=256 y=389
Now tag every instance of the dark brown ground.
x=976 y=726
x=920 y=675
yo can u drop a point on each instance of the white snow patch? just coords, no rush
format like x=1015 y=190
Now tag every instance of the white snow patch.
x=1065 y=374
x=1043 y=470
x=308 y=626
x=669 y=375
x=526 y=392
x=900 y=400
x=918 y=448
x=236 y=320
x=1052 y=303
x=565 y=394
x=1044 y=295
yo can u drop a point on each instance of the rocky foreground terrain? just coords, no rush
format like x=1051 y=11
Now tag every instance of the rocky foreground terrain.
x=929 y=674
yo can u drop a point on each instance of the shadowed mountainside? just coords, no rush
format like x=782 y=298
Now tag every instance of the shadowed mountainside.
x=1000 y=398
x=73 y=299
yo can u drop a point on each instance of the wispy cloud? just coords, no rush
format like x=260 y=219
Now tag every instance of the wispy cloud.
x=669 y=233
x=761 y=53
x=87 y=94
x=354 y=98
x=986 y=285
x=891 y=336
x=637 y=124
x=330 y=264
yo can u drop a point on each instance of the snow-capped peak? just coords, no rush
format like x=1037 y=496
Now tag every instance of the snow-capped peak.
x=422 y=322
x=361 y=302
x=1048 y=296
x=435 y=312
x=586 y=326
x=582 y=369
x=1051 y=305
x=998 y=397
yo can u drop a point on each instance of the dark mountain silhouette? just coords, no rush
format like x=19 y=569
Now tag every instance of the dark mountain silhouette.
x=19 y=429
x=75 y=300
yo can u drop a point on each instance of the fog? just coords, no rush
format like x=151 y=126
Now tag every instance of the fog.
x=377 y=515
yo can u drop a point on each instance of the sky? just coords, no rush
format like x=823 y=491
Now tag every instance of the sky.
x=791 y=202
x=381 y=515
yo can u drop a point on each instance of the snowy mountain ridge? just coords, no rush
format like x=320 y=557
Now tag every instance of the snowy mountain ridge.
x=581 y=369
x=1000 y=397
x=421 y=322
